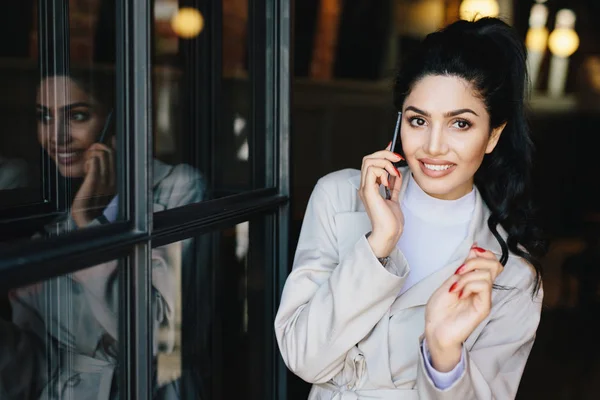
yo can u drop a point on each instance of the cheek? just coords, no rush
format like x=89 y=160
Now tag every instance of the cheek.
x=85 y=134
x=470 y=148
x=43 y=135
x=410 y=142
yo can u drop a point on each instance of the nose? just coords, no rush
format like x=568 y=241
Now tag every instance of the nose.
x=59 y=131
x=436 y=141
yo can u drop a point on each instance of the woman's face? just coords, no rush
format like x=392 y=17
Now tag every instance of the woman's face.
x=69 y=122
x=445 y=135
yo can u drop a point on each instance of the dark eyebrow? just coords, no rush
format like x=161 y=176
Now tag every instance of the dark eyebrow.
x=68 y=107
x=415 y=109
x=446 y=115
x=458 y=112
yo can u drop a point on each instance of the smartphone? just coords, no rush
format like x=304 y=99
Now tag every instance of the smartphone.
x=103 y=138
x=401 y=163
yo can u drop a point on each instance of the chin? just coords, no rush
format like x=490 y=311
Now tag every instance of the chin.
x=69 y=171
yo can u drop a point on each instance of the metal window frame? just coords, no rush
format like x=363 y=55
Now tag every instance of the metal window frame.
x=133 y=238
x=133 y=68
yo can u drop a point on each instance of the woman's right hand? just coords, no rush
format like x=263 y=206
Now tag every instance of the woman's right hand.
x=98 y=187
x=386 y=217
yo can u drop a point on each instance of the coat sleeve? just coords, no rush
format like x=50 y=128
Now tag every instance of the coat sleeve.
x=496 y=360
x=183 y=186
x=328 y=305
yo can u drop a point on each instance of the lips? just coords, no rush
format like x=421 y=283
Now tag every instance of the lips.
x=68 y=157
x=436 y=168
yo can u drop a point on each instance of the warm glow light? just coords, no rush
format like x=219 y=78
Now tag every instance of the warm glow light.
x=563 y=42
x=471 y=10
x=187 y=22
x=537 y=39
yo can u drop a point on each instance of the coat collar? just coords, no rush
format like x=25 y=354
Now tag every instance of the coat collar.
x=160 y=171
x=478 y=232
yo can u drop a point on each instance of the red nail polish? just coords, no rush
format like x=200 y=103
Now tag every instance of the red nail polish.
x=459 y=269
x=453 y=287
x=479 y=249
x=460 y=294
x=398 y=172
x=398 y=155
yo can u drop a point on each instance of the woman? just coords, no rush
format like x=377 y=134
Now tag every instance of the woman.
x=436 y=293
x=77 y=314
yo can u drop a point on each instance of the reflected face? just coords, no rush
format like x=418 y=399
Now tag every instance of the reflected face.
x=69 y=122
x=445 y=135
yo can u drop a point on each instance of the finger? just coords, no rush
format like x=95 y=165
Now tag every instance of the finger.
x=479 y=264
x=88 y=187
x=375 y=176
x=385 y=164
x=100 y=147
x=464 y=280
x=385 y=154
x=396 y=185
x=480 y=288
x=389 y=146
x=96 y=148
x=481 y=252
x=100 y=158
x=381 y=155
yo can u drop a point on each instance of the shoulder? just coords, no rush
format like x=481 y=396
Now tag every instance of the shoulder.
x=165 y=174
x=340 y=187
x=342 y=180
x=177 y=181
x=520 y=279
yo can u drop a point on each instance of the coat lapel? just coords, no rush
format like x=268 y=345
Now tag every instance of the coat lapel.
x=419 y=294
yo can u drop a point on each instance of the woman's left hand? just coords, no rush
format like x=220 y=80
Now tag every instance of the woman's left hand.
x=458 y=306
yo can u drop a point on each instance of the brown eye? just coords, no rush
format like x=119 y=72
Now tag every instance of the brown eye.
x=43 y=118
x=416 y=121
x=462 y=124
x=80 y=116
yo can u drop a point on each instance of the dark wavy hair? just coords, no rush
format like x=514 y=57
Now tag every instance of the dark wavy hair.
x=489 y=55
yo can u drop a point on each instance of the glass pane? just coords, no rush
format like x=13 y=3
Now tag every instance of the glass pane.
x=202 y=101
x=219 y=319
x=59 y=337
x=58 y=166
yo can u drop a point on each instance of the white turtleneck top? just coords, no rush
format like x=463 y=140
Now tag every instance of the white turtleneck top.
x=433 y=229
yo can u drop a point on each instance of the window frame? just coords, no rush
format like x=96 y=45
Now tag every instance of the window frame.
x=133 y=238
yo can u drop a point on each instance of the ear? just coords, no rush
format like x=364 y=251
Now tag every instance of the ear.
x=494 y=137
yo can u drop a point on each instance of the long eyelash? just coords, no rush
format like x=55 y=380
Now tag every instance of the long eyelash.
x=466 y=121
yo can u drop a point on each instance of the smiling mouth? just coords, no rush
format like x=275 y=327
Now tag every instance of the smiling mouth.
x=66 y=155
x=67 y=158
x=436 y=167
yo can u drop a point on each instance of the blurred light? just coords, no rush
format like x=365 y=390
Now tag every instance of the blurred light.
x=472 y=10
x=537 y=39
x=187 y=22
x=563 y=40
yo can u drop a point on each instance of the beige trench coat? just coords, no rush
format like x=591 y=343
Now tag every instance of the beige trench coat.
x=342 y=326
x=77 y=318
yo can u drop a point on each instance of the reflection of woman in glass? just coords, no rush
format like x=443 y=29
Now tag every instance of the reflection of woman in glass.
x=77 y=314
x=436 y=292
